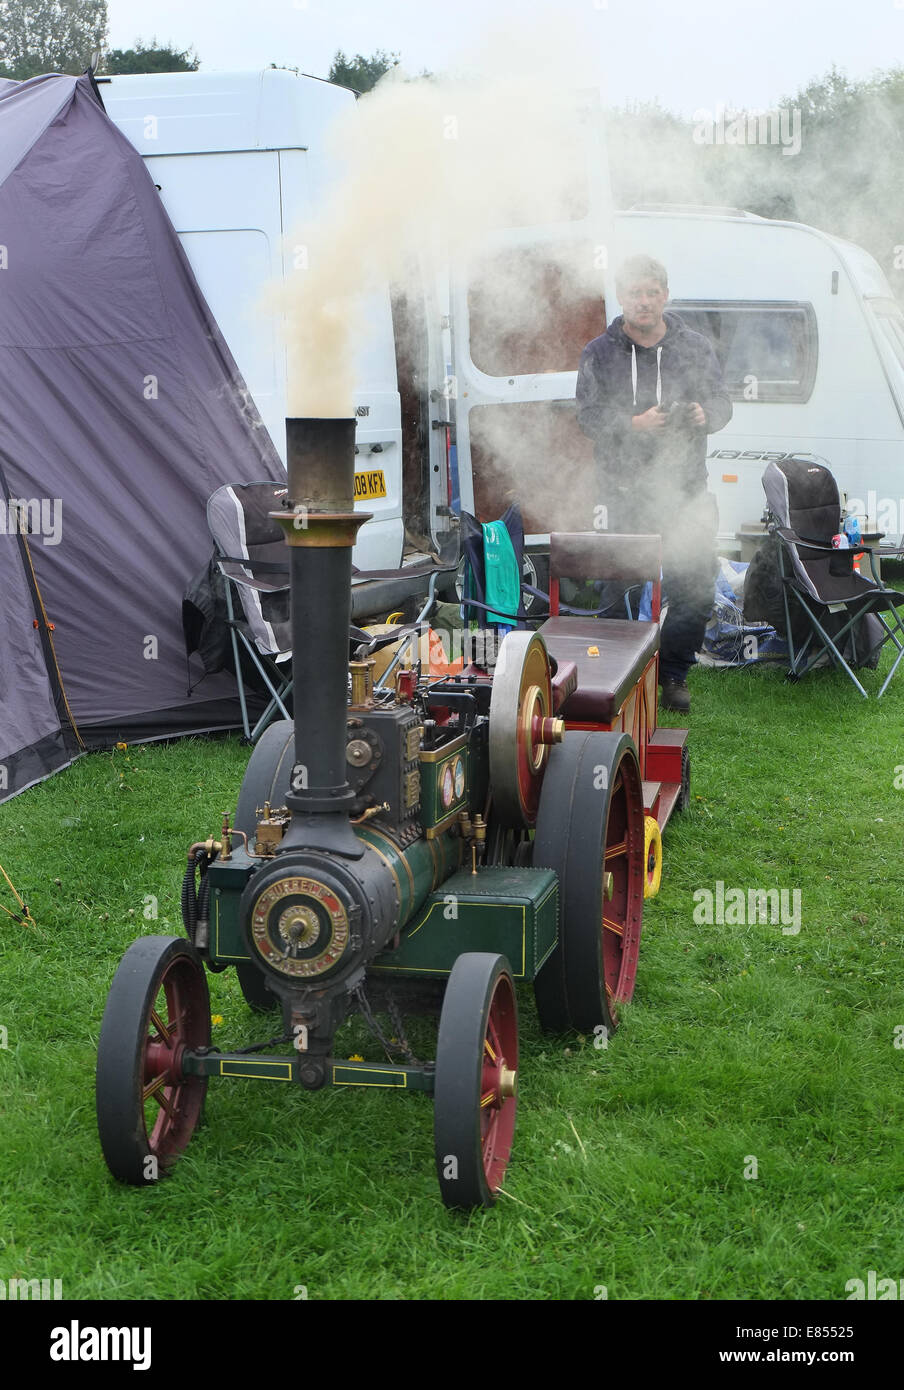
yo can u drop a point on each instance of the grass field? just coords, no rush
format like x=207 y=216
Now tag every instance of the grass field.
x=743 y=1043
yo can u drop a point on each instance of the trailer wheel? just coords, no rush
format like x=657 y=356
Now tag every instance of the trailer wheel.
x=590 y=829
x=476 y=1097
x=158 y=1006
x=652 y=853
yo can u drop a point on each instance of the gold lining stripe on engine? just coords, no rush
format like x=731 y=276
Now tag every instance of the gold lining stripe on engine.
x=220 y=954
x=389 y=864
x=439 y=755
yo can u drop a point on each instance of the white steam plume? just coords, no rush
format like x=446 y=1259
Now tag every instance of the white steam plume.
x=430 y=168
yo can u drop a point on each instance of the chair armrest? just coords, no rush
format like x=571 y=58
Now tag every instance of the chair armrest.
x=792 y=538
x=267 y=586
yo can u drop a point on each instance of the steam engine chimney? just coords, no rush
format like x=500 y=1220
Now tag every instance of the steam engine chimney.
x=321 y=526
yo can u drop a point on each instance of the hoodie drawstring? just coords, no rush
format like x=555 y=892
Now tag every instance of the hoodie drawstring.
x=658 y=373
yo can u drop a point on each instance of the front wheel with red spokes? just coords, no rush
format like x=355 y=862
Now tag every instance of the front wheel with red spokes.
x=476 y=1092
x=158 y=1006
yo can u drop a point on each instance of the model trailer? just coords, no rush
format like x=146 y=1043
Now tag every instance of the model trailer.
x=406 y=851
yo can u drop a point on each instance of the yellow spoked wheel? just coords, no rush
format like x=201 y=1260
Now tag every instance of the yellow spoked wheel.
x=652 y=853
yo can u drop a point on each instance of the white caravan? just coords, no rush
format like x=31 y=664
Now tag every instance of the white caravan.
x=811 y=341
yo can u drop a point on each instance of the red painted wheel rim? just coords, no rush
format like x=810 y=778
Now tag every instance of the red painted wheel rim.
x=624 y=858
x=497 y=1110
x=171 y=1104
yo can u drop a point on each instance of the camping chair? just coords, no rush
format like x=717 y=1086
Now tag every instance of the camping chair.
x=847 y=614
x=251 y=556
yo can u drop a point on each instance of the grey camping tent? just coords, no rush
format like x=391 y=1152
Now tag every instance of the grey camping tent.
x=121 y=411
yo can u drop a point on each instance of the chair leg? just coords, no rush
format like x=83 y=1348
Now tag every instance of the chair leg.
x=895 y=665
x=243 y=704
x=830 y=646
x=788 y=633
x=274 y=693
x=892 y=631
x=269 y=712
x=893 y=634
x=798 y=666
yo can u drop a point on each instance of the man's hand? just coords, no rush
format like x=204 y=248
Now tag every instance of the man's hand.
x=652 y=419
x=699 y=414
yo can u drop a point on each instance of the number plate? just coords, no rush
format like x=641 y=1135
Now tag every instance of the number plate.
x=372 y=484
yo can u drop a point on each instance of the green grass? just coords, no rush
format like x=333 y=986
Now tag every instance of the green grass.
x=741 y=1041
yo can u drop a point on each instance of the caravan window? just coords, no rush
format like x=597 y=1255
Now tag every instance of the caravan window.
x=767 y=351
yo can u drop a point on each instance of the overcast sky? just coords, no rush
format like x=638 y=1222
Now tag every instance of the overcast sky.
x=690 y=54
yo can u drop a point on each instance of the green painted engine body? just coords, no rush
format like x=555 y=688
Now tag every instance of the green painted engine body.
x=511 y=911
x=444 y=910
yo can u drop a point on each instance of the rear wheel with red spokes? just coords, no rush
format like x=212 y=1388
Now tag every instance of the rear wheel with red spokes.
x=476 y=1093
x=590 y=829
x=158 y=1006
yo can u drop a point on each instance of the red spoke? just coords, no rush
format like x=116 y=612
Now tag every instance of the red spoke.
x=164 y=1030
x=489 y=1142
x=155 y=1091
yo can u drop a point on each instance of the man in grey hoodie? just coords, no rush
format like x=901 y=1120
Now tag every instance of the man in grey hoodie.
x=649 y=392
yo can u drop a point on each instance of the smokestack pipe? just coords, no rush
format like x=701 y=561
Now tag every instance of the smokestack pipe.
x=320 y=527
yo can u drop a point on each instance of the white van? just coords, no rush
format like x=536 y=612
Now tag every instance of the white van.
x=239 y=162
x=811 y=341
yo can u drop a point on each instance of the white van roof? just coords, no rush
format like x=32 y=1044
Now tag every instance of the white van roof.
x=215 y=112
